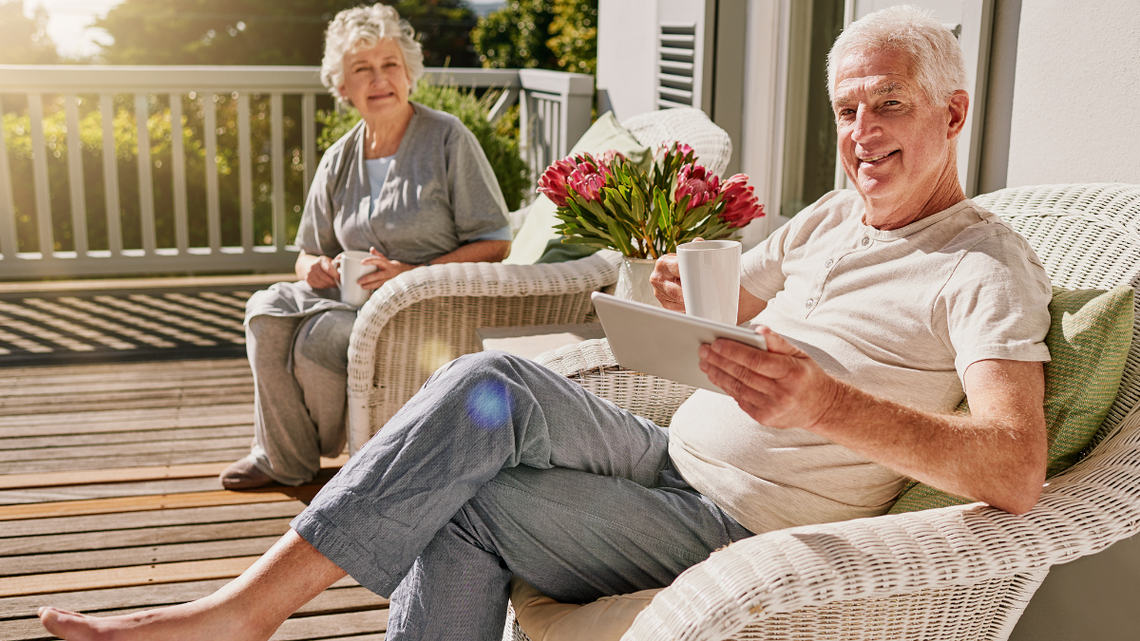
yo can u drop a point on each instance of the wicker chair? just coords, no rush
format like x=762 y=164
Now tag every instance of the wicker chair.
x=426 y=317
x=964 y=572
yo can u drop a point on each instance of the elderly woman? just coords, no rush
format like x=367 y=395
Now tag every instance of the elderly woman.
x=408 y=184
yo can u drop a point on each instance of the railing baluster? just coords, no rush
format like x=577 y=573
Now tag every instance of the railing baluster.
x=178 y=169
x=146 y=184
x=245 y=173
x=40 y=173
x=277 y=117
x=9 y=244
x=525 y=132
x=213 y=211
x=111 y=176
x=75 y=176
x=308 y=141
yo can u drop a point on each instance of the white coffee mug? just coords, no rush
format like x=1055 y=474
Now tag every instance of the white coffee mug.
x=351 y=269
x=710 y=278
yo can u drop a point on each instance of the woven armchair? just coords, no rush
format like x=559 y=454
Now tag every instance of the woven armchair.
x=963 y=572
x=423 y=318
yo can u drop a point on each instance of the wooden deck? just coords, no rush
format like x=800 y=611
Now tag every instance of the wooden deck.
x=110 y=501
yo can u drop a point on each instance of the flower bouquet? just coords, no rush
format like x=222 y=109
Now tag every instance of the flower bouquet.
x=611 y=203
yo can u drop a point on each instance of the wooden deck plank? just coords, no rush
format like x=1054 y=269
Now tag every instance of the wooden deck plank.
x=125 y=421
x=12 y=531
x=124 y=576
x=127 y=437
x=34 y=546
x=125 y=505
x=140 y=401
x=126 y=475
x=33 y=565
x=123 y=449
x=42 y=386
x=170 y=458
x=108 y=490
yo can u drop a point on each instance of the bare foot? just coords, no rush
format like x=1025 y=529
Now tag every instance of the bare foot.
x=193 y=621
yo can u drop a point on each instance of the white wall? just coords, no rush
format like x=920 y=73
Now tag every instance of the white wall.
x=1076 y=93
x=627 y=69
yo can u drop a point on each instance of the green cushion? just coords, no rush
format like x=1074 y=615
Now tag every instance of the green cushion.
x=1088 y=341
x=531 y=243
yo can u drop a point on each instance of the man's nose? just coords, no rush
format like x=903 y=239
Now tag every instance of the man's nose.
x=866 y=125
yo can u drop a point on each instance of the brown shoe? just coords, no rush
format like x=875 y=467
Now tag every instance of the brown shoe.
x=244 y=475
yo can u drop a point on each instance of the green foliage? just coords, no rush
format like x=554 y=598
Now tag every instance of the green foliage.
x=24 y=40
x=266 y=32
x=539 y=34
x=574 y=35
x=17 y=136
x=499 y=140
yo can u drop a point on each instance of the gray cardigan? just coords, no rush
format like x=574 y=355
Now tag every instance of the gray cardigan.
x=440 y=193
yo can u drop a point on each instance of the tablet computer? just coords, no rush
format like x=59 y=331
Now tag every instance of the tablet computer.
x=663 y=343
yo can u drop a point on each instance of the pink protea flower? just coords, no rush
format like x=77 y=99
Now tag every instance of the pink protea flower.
x=609 y=157
x=697 y=182
x=552 y=184
x=740 y=204
x=588 y=180
x=673 y=146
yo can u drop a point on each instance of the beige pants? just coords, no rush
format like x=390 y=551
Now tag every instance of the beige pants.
x=300 y=385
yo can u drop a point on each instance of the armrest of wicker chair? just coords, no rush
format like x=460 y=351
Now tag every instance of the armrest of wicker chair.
x=423 y=318
x=920 y=570
x=592 y=365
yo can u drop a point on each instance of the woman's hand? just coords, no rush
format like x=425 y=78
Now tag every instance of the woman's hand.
x=386 y=270
x=319 y=272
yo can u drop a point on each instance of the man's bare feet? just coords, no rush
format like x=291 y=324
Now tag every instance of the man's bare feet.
x=194 y=621
x=249 y=608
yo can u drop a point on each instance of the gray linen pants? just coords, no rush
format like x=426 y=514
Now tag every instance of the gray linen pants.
x=500 y=467
x=300 y=377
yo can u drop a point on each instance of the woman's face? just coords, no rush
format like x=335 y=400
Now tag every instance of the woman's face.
x=375 y=79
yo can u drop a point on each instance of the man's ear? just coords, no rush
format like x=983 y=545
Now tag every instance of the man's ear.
x=957 y=109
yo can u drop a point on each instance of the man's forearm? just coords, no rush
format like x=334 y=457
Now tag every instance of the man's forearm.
x=995 y=459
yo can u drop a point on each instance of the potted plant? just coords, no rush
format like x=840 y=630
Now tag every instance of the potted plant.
x=611 y=203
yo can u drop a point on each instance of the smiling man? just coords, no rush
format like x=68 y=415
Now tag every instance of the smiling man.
x=882 y=308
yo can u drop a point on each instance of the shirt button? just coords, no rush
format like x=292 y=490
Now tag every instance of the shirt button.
x=866 y=241
x=809 y=304
x=829 y=263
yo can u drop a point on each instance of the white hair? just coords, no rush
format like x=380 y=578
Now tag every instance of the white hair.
x=936 y=58
x=361 y=28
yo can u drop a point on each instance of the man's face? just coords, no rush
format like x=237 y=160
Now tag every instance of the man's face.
x=895 y=146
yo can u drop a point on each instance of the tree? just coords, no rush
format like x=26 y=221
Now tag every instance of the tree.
x=266 y=32
x=540 y=34
x=24 y=40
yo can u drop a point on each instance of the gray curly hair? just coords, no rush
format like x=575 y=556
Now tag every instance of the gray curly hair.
x=936 y=57
x=361 y=28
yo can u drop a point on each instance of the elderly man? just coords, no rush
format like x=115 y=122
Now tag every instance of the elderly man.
x=879 y=307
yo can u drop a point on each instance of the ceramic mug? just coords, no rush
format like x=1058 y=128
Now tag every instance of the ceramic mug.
x=710 y=278
x=351 y=269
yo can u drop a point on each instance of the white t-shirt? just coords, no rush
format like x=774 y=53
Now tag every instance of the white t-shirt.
x=900 y=314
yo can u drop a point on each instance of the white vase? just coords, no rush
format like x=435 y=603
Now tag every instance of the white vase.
x=633 y=280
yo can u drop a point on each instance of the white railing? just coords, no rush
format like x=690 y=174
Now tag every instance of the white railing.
x=122 y=115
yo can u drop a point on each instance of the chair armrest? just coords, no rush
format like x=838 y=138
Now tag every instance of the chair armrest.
x=429 y=315
x=837 y=568
x=592 y=365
